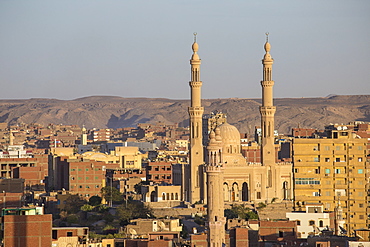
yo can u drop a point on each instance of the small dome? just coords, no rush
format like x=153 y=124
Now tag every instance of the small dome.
x=195 y=56
x=195 y=47
x=267 y=47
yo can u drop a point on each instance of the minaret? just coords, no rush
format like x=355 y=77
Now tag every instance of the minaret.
x=267 y=109
x=215 y=204
x=195 y=115
x=11 y=138
x=339 y=220
x=83 y=136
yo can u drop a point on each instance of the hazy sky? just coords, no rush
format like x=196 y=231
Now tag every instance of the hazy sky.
x=67 y=49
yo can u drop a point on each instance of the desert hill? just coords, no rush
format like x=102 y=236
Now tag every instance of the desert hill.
x=116 y=112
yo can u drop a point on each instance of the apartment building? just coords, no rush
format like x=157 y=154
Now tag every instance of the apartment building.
x=332 y=169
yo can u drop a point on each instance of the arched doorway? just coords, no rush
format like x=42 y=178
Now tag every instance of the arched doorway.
x=245 y=192
x=153 y=196
x=285 y=190
x=234 y=192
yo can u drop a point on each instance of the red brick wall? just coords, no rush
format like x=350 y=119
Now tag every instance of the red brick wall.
x=27 y=230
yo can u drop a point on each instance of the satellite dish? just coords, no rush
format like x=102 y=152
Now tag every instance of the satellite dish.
x=132 y=231
x=161 y=225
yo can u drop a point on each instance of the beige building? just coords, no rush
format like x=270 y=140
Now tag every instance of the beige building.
x=330 y=169
x=242 y=180
x=161 y=193
x=129 y=157
x=142 y=227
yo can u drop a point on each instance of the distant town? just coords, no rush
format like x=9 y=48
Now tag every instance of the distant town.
x=159 y=184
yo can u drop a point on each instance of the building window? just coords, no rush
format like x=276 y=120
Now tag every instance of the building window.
x=69 y=234
x=359 y=159
x=316 y=193
x=327 y=159
x=337 y=148
x=360 y=171
x=311 y=222
x=295 y=170
x=298 y=222
x=337 y=159
x=327 y=193
x=337 y=171
x=361 y=205
x=361 y=217
x=327 y=148
x=306 y=181
x=359 y=147
x=258 y=195
x=327 y=171
x=317 y=171
x=321 y=223
x=316 y=159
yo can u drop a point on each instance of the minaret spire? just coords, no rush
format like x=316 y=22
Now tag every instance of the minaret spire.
x=215 y=203
x=267 y=109
x=195 y=116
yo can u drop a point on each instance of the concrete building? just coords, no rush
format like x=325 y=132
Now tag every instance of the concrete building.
x=159 y=172
x=330 y=169
x=312 y=221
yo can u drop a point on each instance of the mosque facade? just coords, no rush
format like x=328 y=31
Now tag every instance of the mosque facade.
x=241 y=181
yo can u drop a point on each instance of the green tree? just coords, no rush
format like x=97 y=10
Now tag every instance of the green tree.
x=73 y=204
x=87 y=208
x=134 y=210
x=111 y=193
x=95 y=200
x=240 y=211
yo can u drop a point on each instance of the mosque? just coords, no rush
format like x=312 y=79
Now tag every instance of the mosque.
x=225 y=176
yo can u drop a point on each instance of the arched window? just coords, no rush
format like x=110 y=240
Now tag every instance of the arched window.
x=164 y=196
x=285 y=190
x=226 y=192
x=311 y=223
x=176 y=196
x=321 y=223
x=245 y=192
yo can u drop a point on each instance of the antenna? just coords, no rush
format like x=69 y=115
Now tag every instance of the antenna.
x=267 y=36
x=195 y=37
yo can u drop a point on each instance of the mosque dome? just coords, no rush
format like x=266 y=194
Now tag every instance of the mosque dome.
x=230 y=135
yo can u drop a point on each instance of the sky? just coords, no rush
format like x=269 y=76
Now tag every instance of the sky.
x=141 y=48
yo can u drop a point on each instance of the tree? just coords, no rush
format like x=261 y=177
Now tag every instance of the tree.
x=111 y=193
x=240 y=211
x=134 y=210
x=95 y=200
x=87 y=208
x=73 y=204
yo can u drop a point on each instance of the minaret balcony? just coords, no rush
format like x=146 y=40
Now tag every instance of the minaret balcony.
x=196 y=111
x=267 y=83
x=195 y=84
